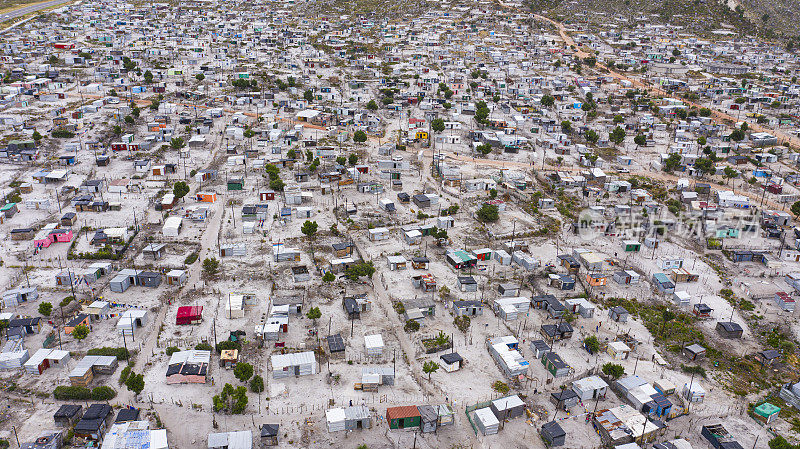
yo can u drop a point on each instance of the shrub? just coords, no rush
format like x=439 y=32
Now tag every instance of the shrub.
x=191 y=258
x=80 y=332
x=63 y=392
x=411 y=326
x=462 y=323
x=119 y=353
x=172 y=350
x=204 y=347
x=45 y=308
x=62 y=134
x=103 y=393
x=243 y=371
x=123 y=376
x=227 y=345
x=488 y=213
x=613 y=370
x=135 y=383
x=592 y=344
x=257 y=384
x=500 y=387
x=65 y=302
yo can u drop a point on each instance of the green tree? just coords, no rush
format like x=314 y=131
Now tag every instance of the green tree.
x=705 y=112
x=328 y=277
x=117 y=130
x=45 y=308
x=488 y=213
x=492 y=193
x=363 y=269
x=613 y=370
x=737 y=135
x=243 y=371
x=729 y=173
x=430 y=367
x=566 y=127
x=796 y=209
x=135 y=383
x=129 y=120
x=309 y=228
x=702 y=141
x=257 y=384
x=359 y=136
x=314 y=314
x=704 y=166
x=640 y=140
x=176 y=143
x=180 y=189
x=36 y=136
x=210 y=266
x=592 y=136
x=617 y=135
x=618 y=119
x=484 y=149
x=199 y=77
x=548 y=101
x=276 y=184
x=308 y=96
x=80 y=332
x=352 y=159
x=672 y=162
x=148 y=77
x=437 y=125
x=372 y=105
x=592 y=344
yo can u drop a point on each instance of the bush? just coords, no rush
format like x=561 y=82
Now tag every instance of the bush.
x=411 y=326
x=65 y=302
x=191 y=258
x=243 y=371
x=694 y=370
x=488 y=213
x=103 y=393
x=172 y=350
x=462 y=323
x=62 y=134
x=135 y=383
x=613 y=370
x=257 y=384
x=204 y=347
x=500 y=387
x=63 y=393
x=80 y=332
x=227 y=345
x=45 y=308
x=399 y=307
x=123 y=376
x=592 y=344
x=119 y=353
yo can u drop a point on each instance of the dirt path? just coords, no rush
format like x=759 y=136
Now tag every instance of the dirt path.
x=717 y=115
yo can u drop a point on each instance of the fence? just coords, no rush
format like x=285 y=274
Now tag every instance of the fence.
x=471 y=408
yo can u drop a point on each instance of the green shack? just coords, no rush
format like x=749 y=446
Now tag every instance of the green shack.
x=631 y=246
x=236 y=184
x=403 y=417
x=765 y=412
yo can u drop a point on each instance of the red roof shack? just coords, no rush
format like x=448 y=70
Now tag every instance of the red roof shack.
x=189 y=315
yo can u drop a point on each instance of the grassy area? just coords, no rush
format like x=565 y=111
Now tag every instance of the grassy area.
x=7 y=6
x=738 y=374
